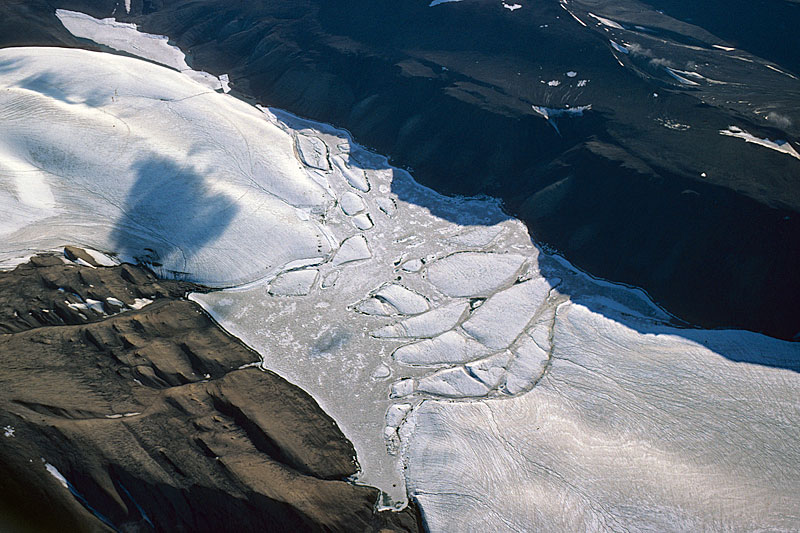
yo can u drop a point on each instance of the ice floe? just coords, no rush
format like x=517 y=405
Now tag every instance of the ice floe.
x=352 y=249
x=464 y=274
x=476 y=237
x=499 y=321
x=452 y=382
x=363 y=221
x=404 y=300
x=448 y=348
x=490 y=370
x=294 y=282
x=430 y=324
x=351 y=203
x=313 y=152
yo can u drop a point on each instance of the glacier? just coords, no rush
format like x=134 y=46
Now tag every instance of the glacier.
x=492 y=382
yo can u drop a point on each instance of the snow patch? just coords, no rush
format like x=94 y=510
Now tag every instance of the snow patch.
x=606 y=22
x=56 y=474
x=782 y=146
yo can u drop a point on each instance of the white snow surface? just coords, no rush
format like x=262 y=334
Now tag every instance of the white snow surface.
x=778 y=145
x=606 y=22
x=123 y=155
x=625 y=432
x=126 y=37
x=474 y=273
x=571 y=404
x=53 y=471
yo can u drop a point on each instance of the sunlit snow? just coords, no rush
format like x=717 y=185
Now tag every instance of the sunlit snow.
x=497 y=383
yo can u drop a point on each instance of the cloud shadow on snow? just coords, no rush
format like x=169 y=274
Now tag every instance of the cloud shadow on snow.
x=169 y=215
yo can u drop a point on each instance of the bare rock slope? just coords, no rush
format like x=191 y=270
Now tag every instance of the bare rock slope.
x=125 y=407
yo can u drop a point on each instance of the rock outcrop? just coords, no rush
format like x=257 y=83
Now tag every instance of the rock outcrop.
x=124 y=407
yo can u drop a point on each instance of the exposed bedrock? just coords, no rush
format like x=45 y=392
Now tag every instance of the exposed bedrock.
x=153 y=418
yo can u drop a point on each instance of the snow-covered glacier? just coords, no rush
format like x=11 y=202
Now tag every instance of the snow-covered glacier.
x=494 y=383
x=119 y=154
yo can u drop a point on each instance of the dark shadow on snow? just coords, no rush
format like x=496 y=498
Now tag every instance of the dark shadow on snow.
x=169 y=213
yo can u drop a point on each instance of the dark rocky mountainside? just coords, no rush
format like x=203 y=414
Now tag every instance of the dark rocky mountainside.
x=155 y=417
x=642 y=189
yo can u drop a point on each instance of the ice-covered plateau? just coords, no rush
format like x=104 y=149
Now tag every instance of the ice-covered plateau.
x=500 y=387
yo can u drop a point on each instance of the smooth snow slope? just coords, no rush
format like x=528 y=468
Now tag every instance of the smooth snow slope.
x=625 y=432
x=126 y=156
x=456 y=356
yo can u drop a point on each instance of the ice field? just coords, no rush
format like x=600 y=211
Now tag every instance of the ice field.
x=494 y=383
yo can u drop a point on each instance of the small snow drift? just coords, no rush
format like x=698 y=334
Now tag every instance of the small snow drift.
x=777 y=145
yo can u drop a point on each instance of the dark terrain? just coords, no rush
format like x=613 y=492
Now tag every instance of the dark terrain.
x=152 y=420
x=619 y=192
x=642 y=189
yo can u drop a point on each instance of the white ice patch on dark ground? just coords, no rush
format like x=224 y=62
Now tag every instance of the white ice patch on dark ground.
x=551 y=406
x=606 y=22
x=53 y=471
x=777 y=145
x=8 y=431
x=550 y=114
x=619 y=48
x=682 y=78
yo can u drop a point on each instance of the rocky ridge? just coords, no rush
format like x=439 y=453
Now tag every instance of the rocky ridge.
x=125 y=407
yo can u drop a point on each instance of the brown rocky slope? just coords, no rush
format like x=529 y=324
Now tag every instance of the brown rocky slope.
x=153 y=417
